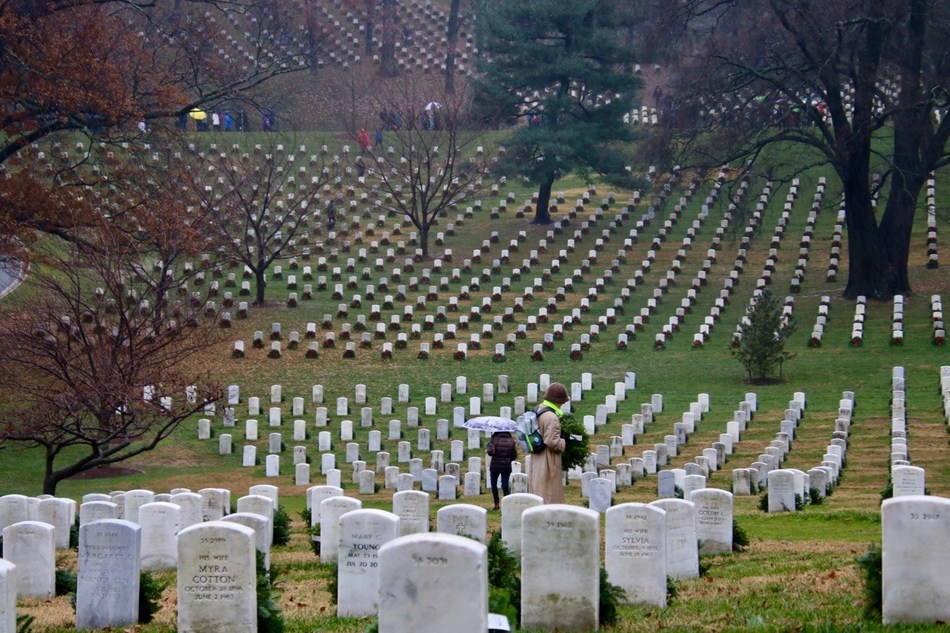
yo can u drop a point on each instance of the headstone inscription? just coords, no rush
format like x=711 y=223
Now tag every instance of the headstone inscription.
x=107 y=586
x=573 y=575
x=635 y=552
x=217 y=579
x=433 y=582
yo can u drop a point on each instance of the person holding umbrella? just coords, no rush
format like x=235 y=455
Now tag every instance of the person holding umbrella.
x=502 y=450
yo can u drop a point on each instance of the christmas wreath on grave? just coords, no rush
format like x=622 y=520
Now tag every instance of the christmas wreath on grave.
x=576 y=442
x=575 y=354
x=537 y=355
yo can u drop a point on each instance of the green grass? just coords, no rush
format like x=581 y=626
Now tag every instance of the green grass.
x=799 y=571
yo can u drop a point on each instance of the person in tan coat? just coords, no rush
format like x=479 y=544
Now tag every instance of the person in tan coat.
x=546 y=478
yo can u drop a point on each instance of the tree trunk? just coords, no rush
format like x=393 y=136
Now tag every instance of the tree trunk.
x=542 y=212
x=424 y=240
x=310 y=19
x=50 y=477
x=911 y=129
x=369 y=26
x=453 y=36
x=896 y=225
x=259 y=275
x=387 y=64
x=866 y=267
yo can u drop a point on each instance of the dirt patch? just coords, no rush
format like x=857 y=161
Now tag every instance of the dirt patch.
x=104 y=472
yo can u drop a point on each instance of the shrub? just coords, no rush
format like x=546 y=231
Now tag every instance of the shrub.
x=312 y=531
x=871 y=563
x=740 y=538
x=269 y=618
x=281 y=529
x=611 y=597
x=888 y=490
x=24 y=623
x=670 y=590
x=65 y=582
x=504 y=582
x=150 y=595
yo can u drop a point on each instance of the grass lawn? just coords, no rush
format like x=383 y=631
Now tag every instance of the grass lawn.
x=799 y=571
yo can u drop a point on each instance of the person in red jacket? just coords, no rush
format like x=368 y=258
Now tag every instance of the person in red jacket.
x=365 y=143
x=502 y=450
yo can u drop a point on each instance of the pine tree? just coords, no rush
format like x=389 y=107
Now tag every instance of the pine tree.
x=763 y=334
x=557 y=67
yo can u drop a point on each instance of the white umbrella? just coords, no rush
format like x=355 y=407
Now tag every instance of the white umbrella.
x=433 y=105
x=489 y=423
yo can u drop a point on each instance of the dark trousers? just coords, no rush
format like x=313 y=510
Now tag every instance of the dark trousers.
x=505 y=477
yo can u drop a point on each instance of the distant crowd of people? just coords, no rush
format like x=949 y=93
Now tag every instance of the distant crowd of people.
x=224 y=121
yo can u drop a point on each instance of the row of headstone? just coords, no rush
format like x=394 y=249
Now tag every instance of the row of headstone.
x=939 y=326
x=945 y=391
x=906 y=479
x=790 y=488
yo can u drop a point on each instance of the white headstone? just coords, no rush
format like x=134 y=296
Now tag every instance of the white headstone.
x=781 y=491
x=217 y=571
x=713 y=520
x=433 y=582
x=331 y=509
x=573 y=575
x=512 y=507
x=134 y=499
x=160 y=523
x=96 y=511
x=29 y=545
x=463 y=519
x=58 y=513
x=908 y=480
x=412 y=508
x=682 y=550
x=7 y=597
x=13 y=509
x=635 y=552
x=362 y=534
x=263 y=531
x=915 y=551
x=107 y=586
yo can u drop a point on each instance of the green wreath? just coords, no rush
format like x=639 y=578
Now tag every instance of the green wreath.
x=575 y=451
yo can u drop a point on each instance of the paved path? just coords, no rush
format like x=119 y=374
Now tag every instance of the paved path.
x=11 y=275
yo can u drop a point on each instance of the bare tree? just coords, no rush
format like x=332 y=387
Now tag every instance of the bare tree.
x=256 y=207
x=452 y=34
x=824 y=76
x=104 y=71
x=390 y=17
x=431 y=163
x=96 y=366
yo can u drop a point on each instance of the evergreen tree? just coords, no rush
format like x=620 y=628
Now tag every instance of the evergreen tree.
x=762 y=337
x=558 y=67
